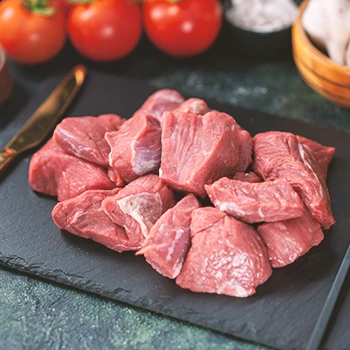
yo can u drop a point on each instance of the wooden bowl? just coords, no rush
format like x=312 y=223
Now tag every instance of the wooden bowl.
x=5 y=78
x=328 y=78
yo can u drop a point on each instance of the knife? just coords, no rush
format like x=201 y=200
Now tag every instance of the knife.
x=38 y=126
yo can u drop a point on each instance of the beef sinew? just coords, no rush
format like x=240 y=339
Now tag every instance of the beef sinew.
x=84 y=136
x=161 y=101
x=322 y=154
x=135 y=147
x=54 y=172
x=138 y=206
x=226 y=256
x=169 y=239
x=279 y=155
x=84 y=217
x=197 y=149
x=289 y=239
x=256 y=202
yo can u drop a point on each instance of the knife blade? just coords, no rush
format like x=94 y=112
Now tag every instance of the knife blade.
x=43 y=120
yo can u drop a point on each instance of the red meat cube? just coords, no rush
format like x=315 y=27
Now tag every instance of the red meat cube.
x=54 y=172
x=169 y=239
x=84 y=136
x=289 y=239
x=138 y=206
x=322 y=154
x=279 y=155
x=226 y=256
x=245 y=150
x=161 y=101
x=135 y=148
x=193 y=105
x=197 y=150
x=84 y=217
x=256 y=202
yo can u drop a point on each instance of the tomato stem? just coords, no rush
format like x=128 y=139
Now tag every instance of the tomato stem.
x=77 y=2
x=136 y=2
x=38 y=6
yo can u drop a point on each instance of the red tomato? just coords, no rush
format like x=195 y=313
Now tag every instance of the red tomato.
x=63 y=4
x=105 y=30
x=182 y=28
x=29 y=37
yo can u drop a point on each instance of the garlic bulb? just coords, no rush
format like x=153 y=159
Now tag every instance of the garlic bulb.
x=328 y=25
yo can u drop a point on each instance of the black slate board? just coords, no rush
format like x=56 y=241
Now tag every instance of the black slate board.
x=281 y=314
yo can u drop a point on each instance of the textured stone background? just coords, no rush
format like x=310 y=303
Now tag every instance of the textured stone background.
x=35 y=314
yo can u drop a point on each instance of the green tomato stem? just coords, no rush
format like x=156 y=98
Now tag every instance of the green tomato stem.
x=39 y=6
x=77 y=2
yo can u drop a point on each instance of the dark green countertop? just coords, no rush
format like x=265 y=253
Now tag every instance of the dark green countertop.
x=35 y=314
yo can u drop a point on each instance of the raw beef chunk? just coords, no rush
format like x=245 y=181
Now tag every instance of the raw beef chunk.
x=83 y=216
x=193 y=105
x=135 y=148
x=54 y=172
x=161 y=101
x=226 y=256
x=279 y=155
x=322 y=154
x=247 y=177
x=84 y=136
x=256 y=202
x=289 y=239
x=169 y=239
x=138 y=206
x=245 y=150
x=197 y=149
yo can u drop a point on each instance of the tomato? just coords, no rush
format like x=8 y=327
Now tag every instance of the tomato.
x=30 y=37
x=63 y=4
x=182 y=28
x=105 y=30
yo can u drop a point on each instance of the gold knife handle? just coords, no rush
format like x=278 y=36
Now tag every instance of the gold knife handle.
x=6 y=157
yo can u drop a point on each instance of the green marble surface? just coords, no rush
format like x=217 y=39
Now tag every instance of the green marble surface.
x=35 y=314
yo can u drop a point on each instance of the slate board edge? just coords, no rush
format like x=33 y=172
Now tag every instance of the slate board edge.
x=49 y=276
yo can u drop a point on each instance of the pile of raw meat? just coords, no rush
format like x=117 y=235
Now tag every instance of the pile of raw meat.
x=140 y=184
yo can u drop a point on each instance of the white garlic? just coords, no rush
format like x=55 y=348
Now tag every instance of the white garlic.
x=328 y=25
x=347 y=55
